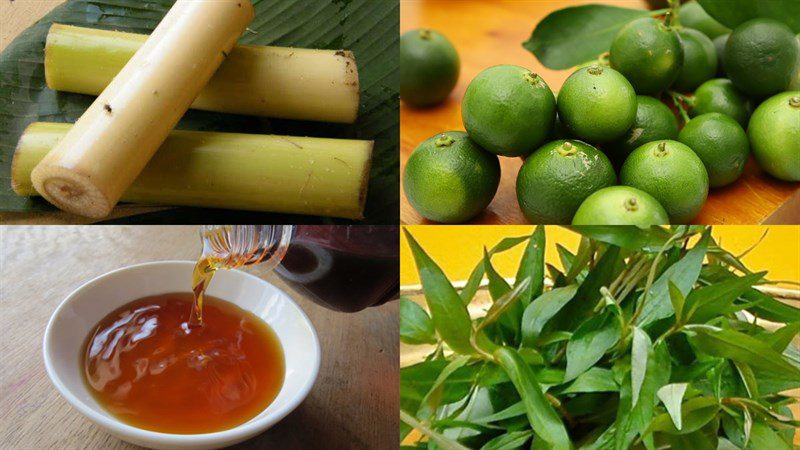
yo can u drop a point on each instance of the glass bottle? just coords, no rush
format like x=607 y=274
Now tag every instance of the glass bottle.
x=342 y=267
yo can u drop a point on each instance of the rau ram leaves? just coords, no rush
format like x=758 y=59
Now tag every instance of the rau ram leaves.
x=613 y=372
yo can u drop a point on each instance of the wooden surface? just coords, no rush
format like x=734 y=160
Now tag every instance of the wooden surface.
x=487 y=33
x=353 y=404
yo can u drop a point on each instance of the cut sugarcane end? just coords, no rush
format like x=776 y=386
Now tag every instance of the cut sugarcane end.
x=71 y=191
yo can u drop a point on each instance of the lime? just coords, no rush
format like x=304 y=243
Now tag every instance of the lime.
x=761 y=56
x=721 y=96
x=719 y=47
x=721 y=144
x=672 y=173
x=429 y=67
x=450 y=179
x=620 y=205
x=654 y=121
x=774 y=133
x=597 y=104
x=648 y=53
x=699 y=60
x=694 y=16
x=557 y=178
x=508 y=110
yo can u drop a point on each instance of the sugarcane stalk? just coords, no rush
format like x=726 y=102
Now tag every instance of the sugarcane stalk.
x=297 y=175
x=289 y=83
x=98 y=159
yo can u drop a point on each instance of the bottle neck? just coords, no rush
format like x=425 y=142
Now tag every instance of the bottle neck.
x=232 y=246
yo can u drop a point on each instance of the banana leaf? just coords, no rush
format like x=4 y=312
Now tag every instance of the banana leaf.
x=370 y=28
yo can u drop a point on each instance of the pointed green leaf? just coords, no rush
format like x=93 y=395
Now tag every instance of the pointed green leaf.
x=696 y=413
x=504 y=304
x=672 y=397
x=475 y=277
x=640 y=351
x=544 y=420
x=515 y=410
x=432 y=400
x=532 y=266
x=448 y=312
x=542 y=309
x=748 y=378
x=508 y=441
x=678 y=300
x=762 y=436
x=498 y=286
x=781 y=338
x=714 y=300
x=683 y=274
x=605 y=270
x=590 y=342
x=595 y=379
x=743 y=348
x=634 y=420
x=415 y=325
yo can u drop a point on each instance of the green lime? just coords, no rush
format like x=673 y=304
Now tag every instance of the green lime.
x=557 y=178
x=672 y=173
x=699 y=60
x=450 y=179
x=508 y=110
x=719 y=47
x=429 y=67
x=761 y=56
x=694 y=16
x=654 y=121
x=721 y=144
x=597 y=104
x=621 y=205
x=774 y=133
x=649 y=54
x=721 y=96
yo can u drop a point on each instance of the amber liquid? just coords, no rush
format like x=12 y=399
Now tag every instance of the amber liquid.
x=150 y=368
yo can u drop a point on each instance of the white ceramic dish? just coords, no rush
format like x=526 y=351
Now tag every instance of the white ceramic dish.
x=87 y=305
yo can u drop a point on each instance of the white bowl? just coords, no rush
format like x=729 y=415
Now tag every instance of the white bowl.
x=83 y=309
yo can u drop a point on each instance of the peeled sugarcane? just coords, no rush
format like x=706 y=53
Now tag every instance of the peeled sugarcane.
x=288 y=83
x=98 y=159
x=297 y=175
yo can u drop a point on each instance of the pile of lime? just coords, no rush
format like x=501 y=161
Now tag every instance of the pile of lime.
x=637 y=137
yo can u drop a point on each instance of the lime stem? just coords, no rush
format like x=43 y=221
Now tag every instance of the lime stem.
x=672 y=18
x=679 y=99
x=444 y=141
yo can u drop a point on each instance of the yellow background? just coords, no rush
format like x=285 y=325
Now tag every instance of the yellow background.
x=458 y=248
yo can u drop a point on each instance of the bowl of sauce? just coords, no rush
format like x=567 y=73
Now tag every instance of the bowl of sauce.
x=123 y=350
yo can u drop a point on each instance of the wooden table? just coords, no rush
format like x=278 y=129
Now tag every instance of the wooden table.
x=488 y=33
x=353 y=405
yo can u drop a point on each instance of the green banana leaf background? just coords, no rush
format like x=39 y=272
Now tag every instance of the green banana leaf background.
x=370 y=28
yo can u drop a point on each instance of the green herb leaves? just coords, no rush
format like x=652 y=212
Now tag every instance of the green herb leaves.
x=589 y=343
x=450 y=316
x=543 y=418
x=644 y=339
